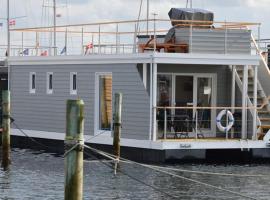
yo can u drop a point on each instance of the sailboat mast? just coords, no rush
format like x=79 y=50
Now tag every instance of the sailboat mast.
x=54 y=27
x=147 y=17
x=8 y=30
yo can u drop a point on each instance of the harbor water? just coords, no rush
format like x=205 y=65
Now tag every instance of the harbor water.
x=40 y=175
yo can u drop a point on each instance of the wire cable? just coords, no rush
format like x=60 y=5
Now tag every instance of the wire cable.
x=32 y=139
x=174 y=175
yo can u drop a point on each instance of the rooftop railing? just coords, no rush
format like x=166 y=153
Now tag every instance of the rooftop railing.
x=119 y=37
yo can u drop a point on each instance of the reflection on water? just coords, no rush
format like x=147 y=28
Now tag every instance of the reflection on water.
x=39 y=175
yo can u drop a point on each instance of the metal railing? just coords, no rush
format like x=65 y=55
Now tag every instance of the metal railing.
x=201 y=123
x=118 y=37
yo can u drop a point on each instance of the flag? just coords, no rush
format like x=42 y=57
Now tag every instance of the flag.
x=12 y=22
x=89 y=46
x=25 y=52
x=44 y=53
x=64 y=50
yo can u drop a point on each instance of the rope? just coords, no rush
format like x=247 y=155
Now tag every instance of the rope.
x=130 y=176
x=171 y=174
x=32 y=139
x=96 y=136
x=71 y=149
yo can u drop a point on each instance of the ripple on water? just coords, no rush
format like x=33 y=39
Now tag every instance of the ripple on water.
x=40 y=175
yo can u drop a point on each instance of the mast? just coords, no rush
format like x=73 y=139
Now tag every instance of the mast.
x=54 y=27
x=8 y=30
x=147 y=17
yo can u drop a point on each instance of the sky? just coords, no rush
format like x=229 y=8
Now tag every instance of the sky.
x=87 y=11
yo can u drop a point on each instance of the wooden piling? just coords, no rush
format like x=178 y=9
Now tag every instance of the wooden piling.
x=117 y=121
x=6 y=130
x=74 y=150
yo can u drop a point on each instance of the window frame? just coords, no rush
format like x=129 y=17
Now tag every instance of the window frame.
x=48 y=89
x=31 y=89
x=71 y=83
x=97 y=105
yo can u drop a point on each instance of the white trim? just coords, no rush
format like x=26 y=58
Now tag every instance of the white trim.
x=154 y=101
x=71 y=90
x=169 y=58
x=48 y=90
x=96 y=105
x=31 y=89
x=158 y=145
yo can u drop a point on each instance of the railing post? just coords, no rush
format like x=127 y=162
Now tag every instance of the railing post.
x=226 y=39
x=117 y=39
x=82 y=41
x=22 y=44
x=6 y=130
x=244 y=101
x=117 y=123
x=190 y=38
x=227 y=116
x=255 y=91
x=196 y=123
x=74 y=150
x=165 y=123
x=99 y=50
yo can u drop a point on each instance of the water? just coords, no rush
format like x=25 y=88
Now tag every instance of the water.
x=39 y=175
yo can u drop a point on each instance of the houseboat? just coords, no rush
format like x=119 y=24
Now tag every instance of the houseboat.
x=191 y=86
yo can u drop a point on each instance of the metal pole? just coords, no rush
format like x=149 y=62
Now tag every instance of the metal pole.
x=147 y=17
x=196 y=124
x=233 y=95
x=155 y=36
x=22 y=44
x=165 y=123
x=8 y=30
x=117 y=121
x=66 y=32
x=255 y=93
x=116 y=40
x=54 y=27
x=154 y=98
x=226 y=39
x=99 y=50
x=74 y=150
x=227 y=116
x=6 y=130
x=244 y=101
x=82 y=42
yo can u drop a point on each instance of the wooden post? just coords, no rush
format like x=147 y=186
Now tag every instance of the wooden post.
x=117 y=120
x=6 y=130
x=74 y=156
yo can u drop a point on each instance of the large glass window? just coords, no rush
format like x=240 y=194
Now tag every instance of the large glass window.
x=105 y=101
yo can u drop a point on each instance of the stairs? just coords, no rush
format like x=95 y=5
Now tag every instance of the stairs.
x=263 y=111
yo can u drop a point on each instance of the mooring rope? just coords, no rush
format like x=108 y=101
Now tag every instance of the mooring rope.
x=110 y=156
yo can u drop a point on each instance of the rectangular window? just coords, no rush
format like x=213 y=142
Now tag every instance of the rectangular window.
x=104 y=101
x=73 y=83
x=49 y=82
x=32 y=82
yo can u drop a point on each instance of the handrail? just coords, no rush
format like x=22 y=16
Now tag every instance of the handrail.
x=137 y=21
x=260 y=53
x=214 y=107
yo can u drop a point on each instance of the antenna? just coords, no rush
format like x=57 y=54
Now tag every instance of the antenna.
x=8 y=30
x=54 y=27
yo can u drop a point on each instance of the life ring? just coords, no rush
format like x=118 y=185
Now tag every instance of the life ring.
x=230 y=124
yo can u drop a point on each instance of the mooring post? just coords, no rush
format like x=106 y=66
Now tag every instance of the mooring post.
x=74 y=143
x=6 y=130
x=117 y=121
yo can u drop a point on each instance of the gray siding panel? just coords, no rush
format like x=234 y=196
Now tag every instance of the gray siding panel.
x=43 y=112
